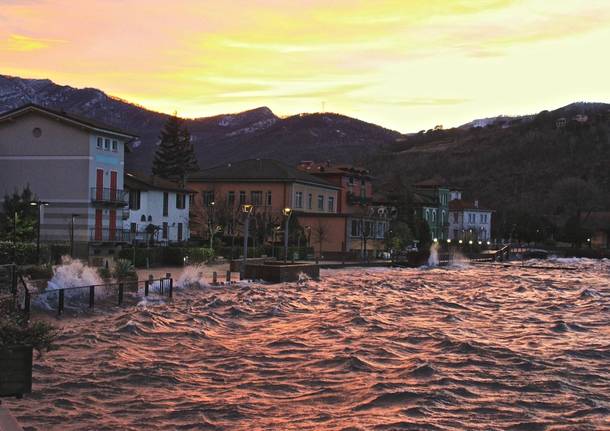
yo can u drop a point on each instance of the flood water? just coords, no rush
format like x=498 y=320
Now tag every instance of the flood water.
x=463 y=348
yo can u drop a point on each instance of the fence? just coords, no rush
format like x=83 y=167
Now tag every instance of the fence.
x=23 y=296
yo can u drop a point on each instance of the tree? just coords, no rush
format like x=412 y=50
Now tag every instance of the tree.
x=175 y=158
x=19 y=218
x=399 y=236
x=321 y=234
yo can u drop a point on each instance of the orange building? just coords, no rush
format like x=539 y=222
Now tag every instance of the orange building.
x=333 y=209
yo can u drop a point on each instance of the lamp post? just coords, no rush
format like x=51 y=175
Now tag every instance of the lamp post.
x=72 y=235
x=247 y=210
x=38 y=204
x=211 y=223
x=287 y=213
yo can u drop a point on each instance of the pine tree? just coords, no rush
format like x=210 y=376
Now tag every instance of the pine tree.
x=175 y=158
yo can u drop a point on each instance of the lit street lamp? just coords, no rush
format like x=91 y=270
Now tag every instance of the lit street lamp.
x=247 y=210
x=38 y=204
x=287 y=213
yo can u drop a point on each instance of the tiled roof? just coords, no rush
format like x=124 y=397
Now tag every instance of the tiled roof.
x=254 y=170
x=463 y=205
x=138 y=181
x=82 y=121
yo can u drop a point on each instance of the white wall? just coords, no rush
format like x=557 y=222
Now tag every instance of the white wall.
x=151 y=204
x=477 y=220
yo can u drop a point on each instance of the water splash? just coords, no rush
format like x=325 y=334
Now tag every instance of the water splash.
x=433 y=259
x=192 y=276
x=73 y=273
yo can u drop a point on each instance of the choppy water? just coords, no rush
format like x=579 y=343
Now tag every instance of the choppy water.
x=473 y=348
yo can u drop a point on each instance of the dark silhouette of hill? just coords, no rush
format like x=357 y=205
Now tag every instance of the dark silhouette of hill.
x=257 y=133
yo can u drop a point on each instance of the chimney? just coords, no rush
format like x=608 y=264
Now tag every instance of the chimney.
x=476 y=203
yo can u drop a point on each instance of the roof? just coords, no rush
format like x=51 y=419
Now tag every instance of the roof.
x=424 y=200
x=138 y=181
x=328 y=168
x=68 y=118
x=257 y=170
x=464 y=205
x=434 y=182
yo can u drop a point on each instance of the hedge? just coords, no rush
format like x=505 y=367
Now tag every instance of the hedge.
x=23 y=253
x=172 y=256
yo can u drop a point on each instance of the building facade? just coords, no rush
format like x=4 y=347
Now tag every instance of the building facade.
x=158 y=210
x=468 y=221
x=269 y=186
x=431 y=203
x=74 y=165
x=365 y=217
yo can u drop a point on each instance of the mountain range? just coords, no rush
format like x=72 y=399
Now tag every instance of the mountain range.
x=257 y=133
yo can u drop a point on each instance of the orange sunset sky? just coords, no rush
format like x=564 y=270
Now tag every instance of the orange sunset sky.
x=407 y=65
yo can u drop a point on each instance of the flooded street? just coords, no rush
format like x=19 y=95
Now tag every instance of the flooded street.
x=461 y=348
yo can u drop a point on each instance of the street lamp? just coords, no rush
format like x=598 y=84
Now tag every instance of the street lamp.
x=211 y=223
x=287 y=213
x=247 y=210
x=449 y=241
x=72 y=235
x=38 y=204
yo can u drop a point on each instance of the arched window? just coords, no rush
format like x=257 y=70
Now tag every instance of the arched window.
x=149 y=218
x=143 y=218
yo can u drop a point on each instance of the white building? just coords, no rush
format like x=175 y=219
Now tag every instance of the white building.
x=158 y=209
x=467 y=220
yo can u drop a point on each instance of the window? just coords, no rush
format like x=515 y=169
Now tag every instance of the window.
x=455 y=217
x=149 y=218
x=106 y=144
x=355 y=228
x=208 y=197
x=298 y=200
x=268 y=198
x=256 y=198
x=165 y=204
x=115 y=146
x=309 y=200
x=179 y=232
x=134 y=199
x=362 y=182
x=242 y=197
x=180 y=201
x=427 y=215
x=331 y=204
x=350 y=181
x=133 y=227
x=231 y=199
x=321 y=202
x=433 y=215
x=165 y=230
x=100 y=143
x=143 y=218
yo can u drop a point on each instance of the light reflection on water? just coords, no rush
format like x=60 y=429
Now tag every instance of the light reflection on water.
x=474 y=348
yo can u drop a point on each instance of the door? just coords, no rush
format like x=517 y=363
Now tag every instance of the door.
x=99 y=185
x=179 y=232
x=98 y=225
x=112 y=225
x=113 y=183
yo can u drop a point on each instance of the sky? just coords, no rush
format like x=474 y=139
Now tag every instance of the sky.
x=404 y=64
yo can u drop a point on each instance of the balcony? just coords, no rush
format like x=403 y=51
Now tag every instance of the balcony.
x=124 y=213
x=110 y=197
x=354 y=199
x=109 y=235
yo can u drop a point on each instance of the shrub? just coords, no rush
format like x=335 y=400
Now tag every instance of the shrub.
x=38 y=272
x=104 y=273
x=16 y=331
x=124 y=270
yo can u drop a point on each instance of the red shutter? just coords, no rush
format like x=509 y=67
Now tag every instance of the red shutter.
x=98 y=225
x=99 y=185
x=113 y=180
x=112 y=225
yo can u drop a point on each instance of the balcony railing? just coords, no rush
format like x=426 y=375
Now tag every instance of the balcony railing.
x=109 y=235
x=354 y=199
x=109 y=196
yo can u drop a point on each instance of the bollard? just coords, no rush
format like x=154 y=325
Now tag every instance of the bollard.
x=171 y=287
x=168 y=276
x=214 y=278
x=91 y=296
x=228 y=276
x=150 y=282
x=120 y=293
x=60 y=305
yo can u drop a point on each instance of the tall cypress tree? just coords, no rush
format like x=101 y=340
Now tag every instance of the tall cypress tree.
x=175 y=158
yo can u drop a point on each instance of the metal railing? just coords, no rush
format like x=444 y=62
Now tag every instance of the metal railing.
x=109 y=235
x=108 y=196
x=163 y=286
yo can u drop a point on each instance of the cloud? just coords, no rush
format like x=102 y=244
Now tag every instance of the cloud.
x=21 y=43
